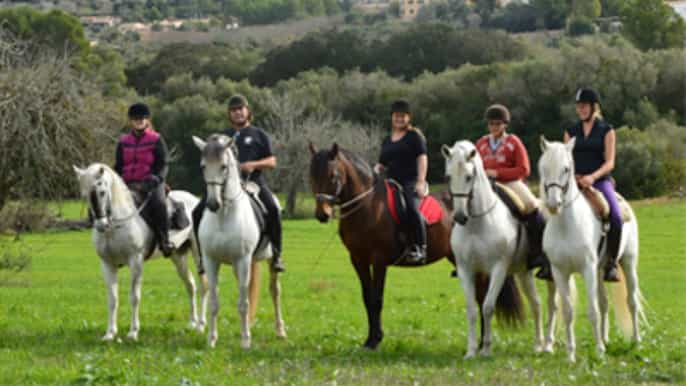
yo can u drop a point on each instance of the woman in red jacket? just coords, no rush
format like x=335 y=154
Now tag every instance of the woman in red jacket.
x=506 y=160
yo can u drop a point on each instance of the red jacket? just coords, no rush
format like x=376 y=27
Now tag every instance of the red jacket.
x=510 y=159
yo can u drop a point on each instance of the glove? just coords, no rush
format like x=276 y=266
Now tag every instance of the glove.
x=151 y=182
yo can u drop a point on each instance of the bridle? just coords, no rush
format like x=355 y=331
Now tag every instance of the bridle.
x=564 y=188
x=115 y=222
x=469 y=196
x=335 y=199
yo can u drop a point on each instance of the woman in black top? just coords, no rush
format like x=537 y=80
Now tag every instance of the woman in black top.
x=403 y=157
x=594 y=159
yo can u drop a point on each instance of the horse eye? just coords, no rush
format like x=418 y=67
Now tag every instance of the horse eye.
x=202 y=166
x=468 y=178
x=224 y=168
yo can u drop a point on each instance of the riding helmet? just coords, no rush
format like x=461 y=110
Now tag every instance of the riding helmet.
x=497 y=112
x=139 y=110
x=400 y=106
x=587 y=95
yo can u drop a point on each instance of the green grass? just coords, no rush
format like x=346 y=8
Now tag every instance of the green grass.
x=51 y=320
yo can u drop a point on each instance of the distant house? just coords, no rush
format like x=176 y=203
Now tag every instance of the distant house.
x=133 y=27
x=99 y=22
x=410 y=8
x=679 y=7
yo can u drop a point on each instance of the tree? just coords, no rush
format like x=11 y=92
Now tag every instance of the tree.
x=53 y=118
x=652 y=24
x=551 y=13
x=589 y=9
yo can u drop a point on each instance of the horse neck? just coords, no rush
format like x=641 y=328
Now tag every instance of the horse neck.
x=354 y=185
x=232 y=186
x=483 y=197
x=121 y=198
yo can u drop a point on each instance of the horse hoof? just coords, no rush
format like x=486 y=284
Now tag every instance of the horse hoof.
x=538 y=349
x=192 y=325
x=212 y=343
x=571 y=357
x=548 y=348
x=486 y=353
x=469 y=355
x=108 y=337
x=133 y=335
x=200 y=327
x=245 y=343
x=371 y=345
x=281 y=333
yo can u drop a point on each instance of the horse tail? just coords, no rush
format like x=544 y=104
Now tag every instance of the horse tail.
x=509 y=307
x=620 y=304
x=254 y=290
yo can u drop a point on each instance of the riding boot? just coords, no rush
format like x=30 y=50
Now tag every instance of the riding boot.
x=157 y=209
x=535 y=224
x=614 y=236
x=417 y=251
x=274 y=230
x=197 y=217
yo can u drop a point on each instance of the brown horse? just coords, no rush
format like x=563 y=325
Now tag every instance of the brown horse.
x=339 y=177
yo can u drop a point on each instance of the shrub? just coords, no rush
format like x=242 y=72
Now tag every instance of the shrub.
x=578 y=26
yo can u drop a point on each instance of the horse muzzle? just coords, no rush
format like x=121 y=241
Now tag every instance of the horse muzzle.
x=213 y=205
x=460 y=218
x=102 y=224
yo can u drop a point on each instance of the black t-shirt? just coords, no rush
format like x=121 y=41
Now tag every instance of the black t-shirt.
x=400 y=157
x=253 y=144
x=589 y=152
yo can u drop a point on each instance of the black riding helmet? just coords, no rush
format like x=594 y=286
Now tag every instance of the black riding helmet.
x=587 y=95
x=400 y=106
x=497 y=112
x=139 y=111
x=237 y=101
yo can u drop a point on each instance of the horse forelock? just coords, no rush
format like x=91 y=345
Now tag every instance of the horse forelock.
x=554 y=157
x=119 y=191
x=216 y=147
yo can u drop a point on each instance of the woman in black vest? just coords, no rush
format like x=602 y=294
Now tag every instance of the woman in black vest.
x=403 y=157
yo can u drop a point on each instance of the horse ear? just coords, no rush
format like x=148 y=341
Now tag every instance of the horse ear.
x=199 y=143
x=334 y=151
x=79 y=171
x=570 y=144
x=544 y=143
x=313 y=150
x=445 y=150
x=472 y=154
x=101 y=172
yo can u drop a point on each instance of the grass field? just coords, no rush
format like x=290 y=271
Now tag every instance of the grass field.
x=51 y=320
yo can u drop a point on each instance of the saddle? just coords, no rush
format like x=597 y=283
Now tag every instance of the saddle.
x=429 y=207
x=258 y=207
x=176 y=210
x=511 y=200
x=602 y=209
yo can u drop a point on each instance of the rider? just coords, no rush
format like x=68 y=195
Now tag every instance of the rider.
x=594 y=159
x=254 y=154
x=403 y=157
x=506 y=160
x=141 y=160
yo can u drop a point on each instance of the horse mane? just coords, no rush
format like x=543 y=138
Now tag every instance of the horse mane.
x=320 y=164
x=120 y=192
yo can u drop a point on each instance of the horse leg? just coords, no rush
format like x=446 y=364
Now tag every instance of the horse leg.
x=181 y=264
x=365 y=276
x=468 y=286
x=527 y=280
x=591 y=279
x=497 y=280
x=212 y=272
x=136 y=267
x=204 y=292
x=633 y=295
x=562 y=284
x=552 y=310
x=242 y=271
x=275 y=291
x=603 y=309
x=376 y=303
x=109 y=272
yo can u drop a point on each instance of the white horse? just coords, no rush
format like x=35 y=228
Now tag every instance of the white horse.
x=486 y=239
x=229 y=233
x=121 y=237
x=571 y=240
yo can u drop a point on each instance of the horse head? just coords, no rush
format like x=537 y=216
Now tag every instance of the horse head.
x=556 y=169
x=463 y=167
x=96 y=182
x=328 y=177
x=219 y=167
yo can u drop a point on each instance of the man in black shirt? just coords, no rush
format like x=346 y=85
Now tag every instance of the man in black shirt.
x=254 y=154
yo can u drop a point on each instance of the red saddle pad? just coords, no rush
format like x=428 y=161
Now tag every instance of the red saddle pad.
x=430 y=208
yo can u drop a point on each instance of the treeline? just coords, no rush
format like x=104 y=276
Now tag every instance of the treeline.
x=449 y=75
